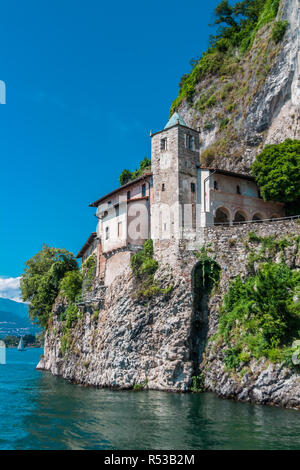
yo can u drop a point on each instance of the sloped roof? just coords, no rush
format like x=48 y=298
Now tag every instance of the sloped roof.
x=175 y=119
x=130 y=183
x=87 y=244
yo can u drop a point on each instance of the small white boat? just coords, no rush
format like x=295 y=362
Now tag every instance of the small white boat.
x=21 y=345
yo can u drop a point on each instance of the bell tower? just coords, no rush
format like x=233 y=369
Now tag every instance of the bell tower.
x=174 y=162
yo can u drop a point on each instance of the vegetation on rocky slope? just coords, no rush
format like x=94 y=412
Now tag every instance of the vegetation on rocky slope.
x=144 y=266
x=239 y=26
x=260 y=315
x=224 y=82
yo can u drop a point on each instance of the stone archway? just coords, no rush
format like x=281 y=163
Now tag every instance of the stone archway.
x=257 y=217
x=222 y=216
x=240 y=217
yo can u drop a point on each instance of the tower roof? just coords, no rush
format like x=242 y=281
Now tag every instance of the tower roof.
x=175 y=119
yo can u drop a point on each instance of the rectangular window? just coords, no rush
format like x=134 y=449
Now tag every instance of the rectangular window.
x=163 y=144
x=120 y=229
x=191 y=142
x=107 y=233
x=143 y=190
x=163 y=187
x=117 y=207
x=128 y=195
x=193 y=187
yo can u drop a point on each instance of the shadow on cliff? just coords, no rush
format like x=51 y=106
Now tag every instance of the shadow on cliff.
x=206 y=273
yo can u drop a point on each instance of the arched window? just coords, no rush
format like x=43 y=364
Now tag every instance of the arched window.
x=257 y=217
x=238 y=190
x=239 y=217
x=107 y=233
x=222 y=216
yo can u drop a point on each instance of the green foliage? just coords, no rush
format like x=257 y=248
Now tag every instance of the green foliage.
x=279 y=30
x=142 y=263
x=206 y=275
x=96 y=315
x=238 y=27
x=65 y=343
x=71 y=285
x=277 y=173
x=41 y=279
x=197 y=384
x=88 y=270
x=260 y=316
x=223 y=123
x=72 y=314
x=127 y=175
x=140 y=386
x=209 y=270
x=144 y=266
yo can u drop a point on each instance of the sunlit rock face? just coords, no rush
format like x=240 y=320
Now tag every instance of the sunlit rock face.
x=265 y=96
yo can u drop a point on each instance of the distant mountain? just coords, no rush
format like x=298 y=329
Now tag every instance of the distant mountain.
x=14 y=319
x=18 y=308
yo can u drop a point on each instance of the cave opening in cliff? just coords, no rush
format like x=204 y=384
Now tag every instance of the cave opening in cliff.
x=205 y=275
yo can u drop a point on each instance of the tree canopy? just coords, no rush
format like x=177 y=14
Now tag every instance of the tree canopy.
x=40 y=282
x=127 y=175
x=277 y=173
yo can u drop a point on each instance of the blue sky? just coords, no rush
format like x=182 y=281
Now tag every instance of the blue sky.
x=86 y=81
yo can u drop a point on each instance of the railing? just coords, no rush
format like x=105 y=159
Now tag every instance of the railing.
x=277 y=219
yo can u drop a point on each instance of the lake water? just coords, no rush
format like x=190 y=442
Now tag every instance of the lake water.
x=39 y=411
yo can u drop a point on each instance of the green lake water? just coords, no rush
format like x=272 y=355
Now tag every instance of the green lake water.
x=39 y=411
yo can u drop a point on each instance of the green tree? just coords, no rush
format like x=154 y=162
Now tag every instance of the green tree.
x=71 y=285
x=277 y=173
x=126 y=175
x=41 y=279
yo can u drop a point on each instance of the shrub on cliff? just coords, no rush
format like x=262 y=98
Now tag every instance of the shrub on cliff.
x=277 y=173
x=260 y=316
x=144 y=266
x=142 y=263
x=88 y=272
x=238 y=25
x=41 y=279
x=71 y=285
x=279 y=30
x=127 y=175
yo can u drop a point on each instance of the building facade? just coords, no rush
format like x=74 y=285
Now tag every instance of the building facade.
x=177 y=196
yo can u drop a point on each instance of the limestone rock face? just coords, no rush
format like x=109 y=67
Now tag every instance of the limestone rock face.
x=267 y=110
x=129 y=342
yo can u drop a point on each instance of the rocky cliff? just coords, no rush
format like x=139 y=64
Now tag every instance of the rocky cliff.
x=253 y=101
x=162 y=342
x=166 y=341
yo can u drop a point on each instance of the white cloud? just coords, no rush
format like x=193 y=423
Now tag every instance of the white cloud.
x=10 y=288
